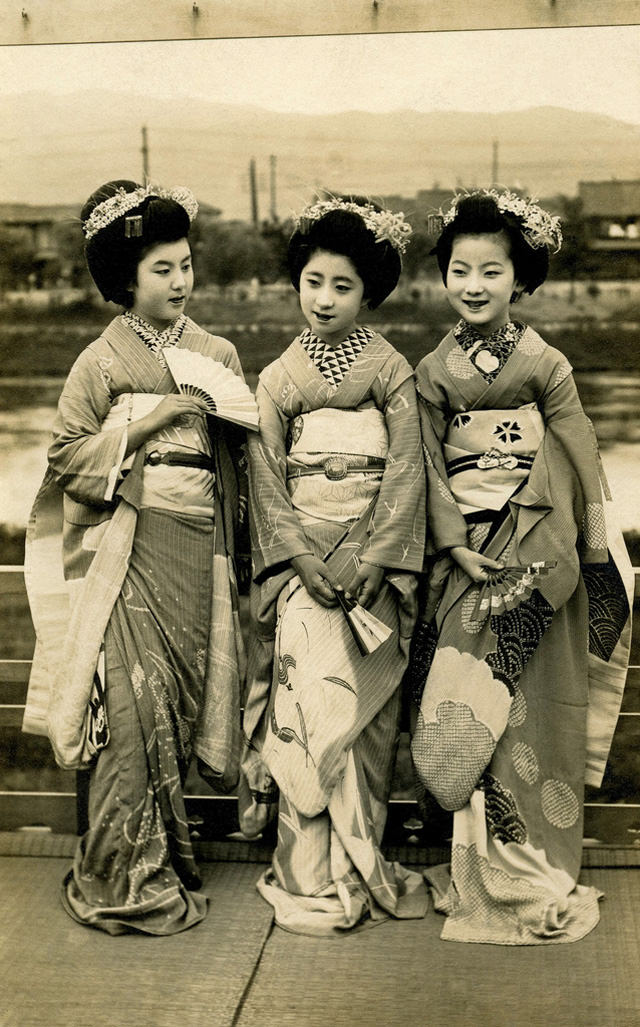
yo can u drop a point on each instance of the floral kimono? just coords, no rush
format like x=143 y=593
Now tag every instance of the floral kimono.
x=138 y=661
x=336 y=470
x=516 y=683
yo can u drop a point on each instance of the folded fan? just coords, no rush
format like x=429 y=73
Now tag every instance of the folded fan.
x=368 y=631
x=506 y=588
x=223 y=391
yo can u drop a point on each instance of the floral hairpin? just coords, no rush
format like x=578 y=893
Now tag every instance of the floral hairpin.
x=539 y=227
x=122 y=201
x=385 y=225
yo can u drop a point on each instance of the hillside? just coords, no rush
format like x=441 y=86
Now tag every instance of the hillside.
x=56 y=149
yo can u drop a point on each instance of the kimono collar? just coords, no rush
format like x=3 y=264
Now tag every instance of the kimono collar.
x=488 y=353
x=152 y=338
x=333 y=362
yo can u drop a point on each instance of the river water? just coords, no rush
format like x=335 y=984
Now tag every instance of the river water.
x=27 y=408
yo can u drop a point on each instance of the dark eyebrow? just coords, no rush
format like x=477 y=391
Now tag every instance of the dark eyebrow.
x=487 y=263
x=168 y=263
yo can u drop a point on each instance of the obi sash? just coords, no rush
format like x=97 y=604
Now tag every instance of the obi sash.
x=335 y=462
x=167 y=486
x=489 y=453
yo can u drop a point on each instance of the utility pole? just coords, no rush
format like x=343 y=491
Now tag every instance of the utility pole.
x=494 y=164
x=272 y=189
x=254 y=192
x=145 y=156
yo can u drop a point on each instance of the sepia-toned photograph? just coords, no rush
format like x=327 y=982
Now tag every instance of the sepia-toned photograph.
x=320 y=516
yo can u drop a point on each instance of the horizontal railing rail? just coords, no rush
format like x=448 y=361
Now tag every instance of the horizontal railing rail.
x=35 y=794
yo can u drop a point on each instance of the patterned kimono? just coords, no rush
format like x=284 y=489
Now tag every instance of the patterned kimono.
x=138 y=661
x=336 y=471
x=516 y=684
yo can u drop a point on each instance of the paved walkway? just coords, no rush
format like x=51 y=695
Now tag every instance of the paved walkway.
x=237 y=970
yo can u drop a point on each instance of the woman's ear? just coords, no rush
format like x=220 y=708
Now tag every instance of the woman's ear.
x=518 y=289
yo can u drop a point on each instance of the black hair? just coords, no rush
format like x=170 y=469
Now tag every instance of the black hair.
x=478 y=214
x=113 y=257
x=344 y=232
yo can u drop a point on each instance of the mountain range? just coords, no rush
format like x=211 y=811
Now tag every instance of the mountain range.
x=57 y=149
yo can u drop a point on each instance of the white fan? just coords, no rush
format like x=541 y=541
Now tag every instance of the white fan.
x=369 y=632
x=225 y=394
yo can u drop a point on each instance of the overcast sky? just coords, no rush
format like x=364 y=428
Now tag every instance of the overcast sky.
x=589 y=69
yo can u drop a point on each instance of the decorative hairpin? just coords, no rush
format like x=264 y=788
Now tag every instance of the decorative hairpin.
x=122 y=201
x=385 y=225
x=133 y=226
x=539 y=227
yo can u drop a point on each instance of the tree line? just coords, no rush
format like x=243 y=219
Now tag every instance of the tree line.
x=226 y=252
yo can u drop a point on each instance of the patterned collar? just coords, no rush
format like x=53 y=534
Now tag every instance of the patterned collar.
x=489 y=353
x=152 y=338
x=333 y=362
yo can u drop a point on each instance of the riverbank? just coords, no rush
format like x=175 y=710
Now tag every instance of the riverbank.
x=598 y=326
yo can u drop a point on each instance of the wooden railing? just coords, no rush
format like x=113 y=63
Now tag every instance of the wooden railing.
x=36 y=793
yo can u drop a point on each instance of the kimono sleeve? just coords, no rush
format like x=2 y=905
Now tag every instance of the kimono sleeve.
x=446 y=525
x=398 y=529
x=276 y=534
x=84 y=460
x=571 y=457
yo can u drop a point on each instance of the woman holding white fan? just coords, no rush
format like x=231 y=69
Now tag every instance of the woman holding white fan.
x=137 y=666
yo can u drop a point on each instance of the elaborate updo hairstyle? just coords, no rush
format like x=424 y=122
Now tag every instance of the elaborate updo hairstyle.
x=479 y=214
x=119 y=241
x=344 y=231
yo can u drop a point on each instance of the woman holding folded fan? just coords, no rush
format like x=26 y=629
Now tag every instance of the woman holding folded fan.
x=130 y=572
x=337 y=515
x=519 y=657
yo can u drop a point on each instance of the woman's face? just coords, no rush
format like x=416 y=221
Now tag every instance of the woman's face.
x=163 y=284
x=331 y=294
x=481 y=280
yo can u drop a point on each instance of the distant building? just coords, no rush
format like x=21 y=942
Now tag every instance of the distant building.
x=611 y=211
x=419 y=208
x=39 y=222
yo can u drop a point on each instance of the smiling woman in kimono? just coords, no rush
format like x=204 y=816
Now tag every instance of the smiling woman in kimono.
x=130 y=575
x=519 y=659
x=337 y=507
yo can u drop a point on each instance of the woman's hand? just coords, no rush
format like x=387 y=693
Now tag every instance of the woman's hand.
x=169 y=410
x=475 y=565
x=319 y=581
x=175 y=406
x=367 y=583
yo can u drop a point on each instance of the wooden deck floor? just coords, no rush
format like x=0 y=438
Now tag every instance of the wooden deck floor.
x=237 y=970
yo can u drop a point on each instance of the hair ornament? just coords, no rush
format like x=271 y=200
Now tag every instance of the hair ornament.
x=539 y=227
x=121 y=201
x=133 y=226
x=385 y=225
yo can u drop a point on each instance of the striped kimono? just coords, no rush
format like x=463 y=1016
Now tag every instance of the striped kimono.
x=337 y=471
x=138 y=661
x=516 y=684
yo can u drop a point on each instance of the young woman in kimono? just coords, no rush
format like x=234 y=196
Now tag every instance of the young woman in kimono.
x=337 y=503
x=519 y=659
x=130 y=575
